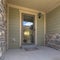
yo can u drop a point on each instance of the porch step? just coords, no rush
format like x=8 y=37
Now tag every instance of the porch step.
x=29 y=47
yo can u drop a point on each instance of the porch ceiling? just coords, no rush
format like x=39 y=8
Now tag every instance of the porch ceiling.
x=41 y=5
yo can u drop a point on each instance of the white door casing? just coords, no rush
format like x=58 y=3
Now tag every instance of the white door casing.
x=32 y=13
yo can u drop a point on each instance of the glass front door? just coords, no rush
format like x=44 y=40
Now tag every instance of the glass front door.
x=28 y=29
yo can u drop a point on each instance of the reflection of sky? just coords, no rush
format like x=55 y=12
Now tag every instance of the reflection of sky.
x=25 y=23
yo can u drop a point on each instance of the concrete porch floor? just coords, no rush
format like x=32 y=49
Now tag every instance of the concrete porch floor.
x=44 y=53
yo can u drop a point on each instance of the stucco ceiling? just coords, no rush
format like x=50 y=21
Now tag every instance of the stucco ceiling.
x=41 y=5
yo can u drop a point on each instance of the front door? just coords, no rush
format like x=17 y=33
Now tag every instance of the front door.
x=28 y=29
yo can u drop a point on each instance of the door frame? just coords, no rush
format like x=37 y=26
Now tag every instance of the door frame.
x=32 y=13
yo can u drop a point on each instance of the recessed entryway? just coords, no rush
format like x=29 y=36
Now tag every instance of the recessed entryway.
x=15 y=24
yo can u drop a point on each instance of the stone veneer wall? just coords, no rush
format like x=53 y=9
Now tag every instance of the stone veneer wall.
x=53 y=40
x=3 y=27
x=3 y=21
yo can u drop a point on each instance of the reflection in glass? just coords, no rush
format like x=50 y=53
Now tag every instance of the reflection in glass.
x=28 y=27
x=25 y=23
x=27 y=33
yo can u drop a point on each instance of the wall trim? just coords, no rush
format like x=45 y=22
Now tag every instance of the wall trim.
x=7 y=26
x=44 y=28
x=24 y=8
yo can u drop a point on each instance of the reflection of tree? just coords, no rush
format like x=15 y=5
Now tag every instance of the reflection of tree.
x=31 y=27
x=32 y=33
